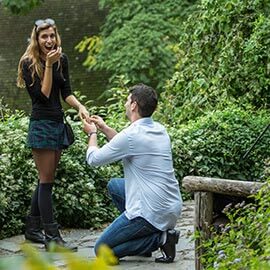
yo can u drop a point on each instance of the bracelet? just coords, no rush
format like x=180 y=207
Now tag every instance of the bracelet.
x=48 y=66
x=91 y=133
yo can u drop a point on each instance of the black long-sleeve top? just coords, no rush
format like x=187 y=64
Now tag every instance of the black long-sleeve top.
x=48 y=108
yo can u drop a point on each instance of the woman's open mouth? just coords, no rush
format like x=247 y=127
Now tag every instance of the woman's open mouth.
x=49 y=48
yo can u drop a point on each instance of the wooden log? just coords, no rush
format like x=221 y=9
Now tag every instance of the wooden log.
x=204 y=188
x=221 y=186
x=203 y=221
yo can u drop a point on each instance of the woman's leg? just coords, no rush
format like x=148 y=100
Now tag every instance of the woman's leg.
x=46 y=162
x=34 y=203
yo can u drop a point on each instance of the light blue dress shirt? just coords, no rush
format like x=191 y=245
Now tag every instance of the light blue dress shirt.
x=151 y=189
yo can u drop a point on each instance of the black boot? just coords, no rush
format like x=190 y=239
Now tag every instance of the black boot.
x=168 y=249
x=33 y=230
x=52 y=235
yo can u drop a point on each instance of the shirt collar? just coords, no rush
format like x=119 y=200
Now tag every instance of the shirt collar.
x=143 y=121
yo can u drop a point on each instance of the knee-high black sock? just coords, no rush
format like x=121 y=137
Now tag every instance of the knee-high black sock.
x=34 y=203
x=45 y=202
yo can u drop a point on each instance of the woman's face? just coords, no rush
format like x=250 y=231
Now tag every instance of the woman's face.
x=47 y=40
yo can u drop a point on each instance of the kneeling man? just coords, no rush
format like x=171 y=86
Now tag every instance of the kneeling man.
x=148 y=197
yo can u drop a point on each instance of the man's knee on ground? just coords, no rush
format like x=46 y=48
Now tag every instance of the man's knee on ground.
x=97 y=247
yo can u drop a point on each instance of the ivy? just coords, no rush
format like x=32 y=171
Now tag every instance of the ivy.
x=20 y=6
x=223 y=56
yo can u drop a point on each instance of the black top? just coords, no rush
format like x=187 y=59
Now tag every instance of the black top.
x=43 y=107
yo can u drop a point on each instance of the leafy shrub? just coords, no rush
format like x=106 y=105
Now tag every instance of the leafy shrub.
x=17 y=174
x=79 y=192
x=223 y=54
x=213 y=145
x=138 y=43
x=20 y=7
x=245 y=242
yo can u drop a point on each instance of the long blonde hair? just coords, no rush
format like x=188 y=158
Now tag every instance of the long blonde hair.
x=32 y=54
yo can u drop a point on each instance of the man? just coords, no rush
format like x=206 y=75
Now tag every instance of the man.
x=148 y=198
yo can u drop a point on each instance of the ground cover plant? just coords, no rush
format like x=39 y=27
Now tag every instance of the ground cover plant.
x=244 y=243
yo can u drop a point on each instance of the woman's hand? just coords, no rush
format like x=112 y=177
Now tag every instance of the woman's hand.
x=83 y=113
x=53 y=56
x=73 y=102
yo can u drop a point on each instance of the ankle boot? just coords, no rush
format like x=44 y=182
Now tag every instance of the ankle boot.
x=33 y=230
x=52 y=235
x=168 y=250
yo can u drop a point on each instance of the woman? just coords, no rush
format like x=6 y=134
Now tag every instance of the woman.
x=43 y=70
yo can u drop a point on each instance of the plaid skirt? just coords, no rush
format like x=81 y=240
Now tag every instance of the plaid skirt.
x=46 y=134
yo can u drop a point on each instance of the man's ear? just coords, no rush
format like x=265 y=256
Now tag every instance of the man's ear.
x=134 y=105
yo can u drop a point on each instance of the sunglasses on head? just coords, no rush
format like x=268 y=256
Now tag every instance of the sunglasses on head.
x=46 y=21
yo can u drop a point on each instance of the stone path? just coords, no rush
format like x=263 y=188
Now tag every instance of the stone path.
x=10 y=247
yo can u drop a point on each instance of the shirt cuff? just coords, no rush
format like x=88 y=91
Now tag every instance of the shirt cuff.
x=89 y=152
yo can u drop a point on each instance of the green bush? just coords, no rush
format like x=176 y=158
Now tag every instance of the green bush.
x=223 y=55
x=17 y=175
x=244 y=242
x=79 y=192
x=19 y=6
x=138 y=43
x=213 y=145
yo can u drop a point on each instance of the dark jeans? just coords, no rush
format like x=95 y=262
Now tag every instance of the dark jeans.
x=128 y=237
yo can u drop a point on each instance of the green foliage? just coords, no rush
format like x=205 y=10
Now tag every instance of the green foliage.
x=80 y=196
x=113 y=111
x=138 y=42
x=223 y=55
x=16 y=172
x=21 y=6
x=213 y=145
x=245 y=242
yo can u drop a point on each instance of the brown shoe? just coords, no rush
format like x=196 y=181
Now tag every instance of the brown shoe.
x=168 y=250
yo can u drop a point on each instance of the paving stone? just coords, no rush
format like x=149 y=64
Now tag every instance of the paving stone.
x=188 y=255
x=10 y=247
x=89 y=238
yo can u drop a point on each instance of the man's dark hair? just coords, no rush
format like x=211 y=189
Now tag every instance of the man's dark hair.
x=146 y=98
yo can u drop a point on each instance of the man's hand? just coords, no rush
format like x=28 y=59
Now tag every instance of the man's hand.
x=89 y=127
x=99 y=122
x=102 y=126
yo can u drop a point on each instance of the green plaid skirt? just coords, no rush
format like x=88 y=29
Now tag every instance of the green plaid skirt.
x=46 y=134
